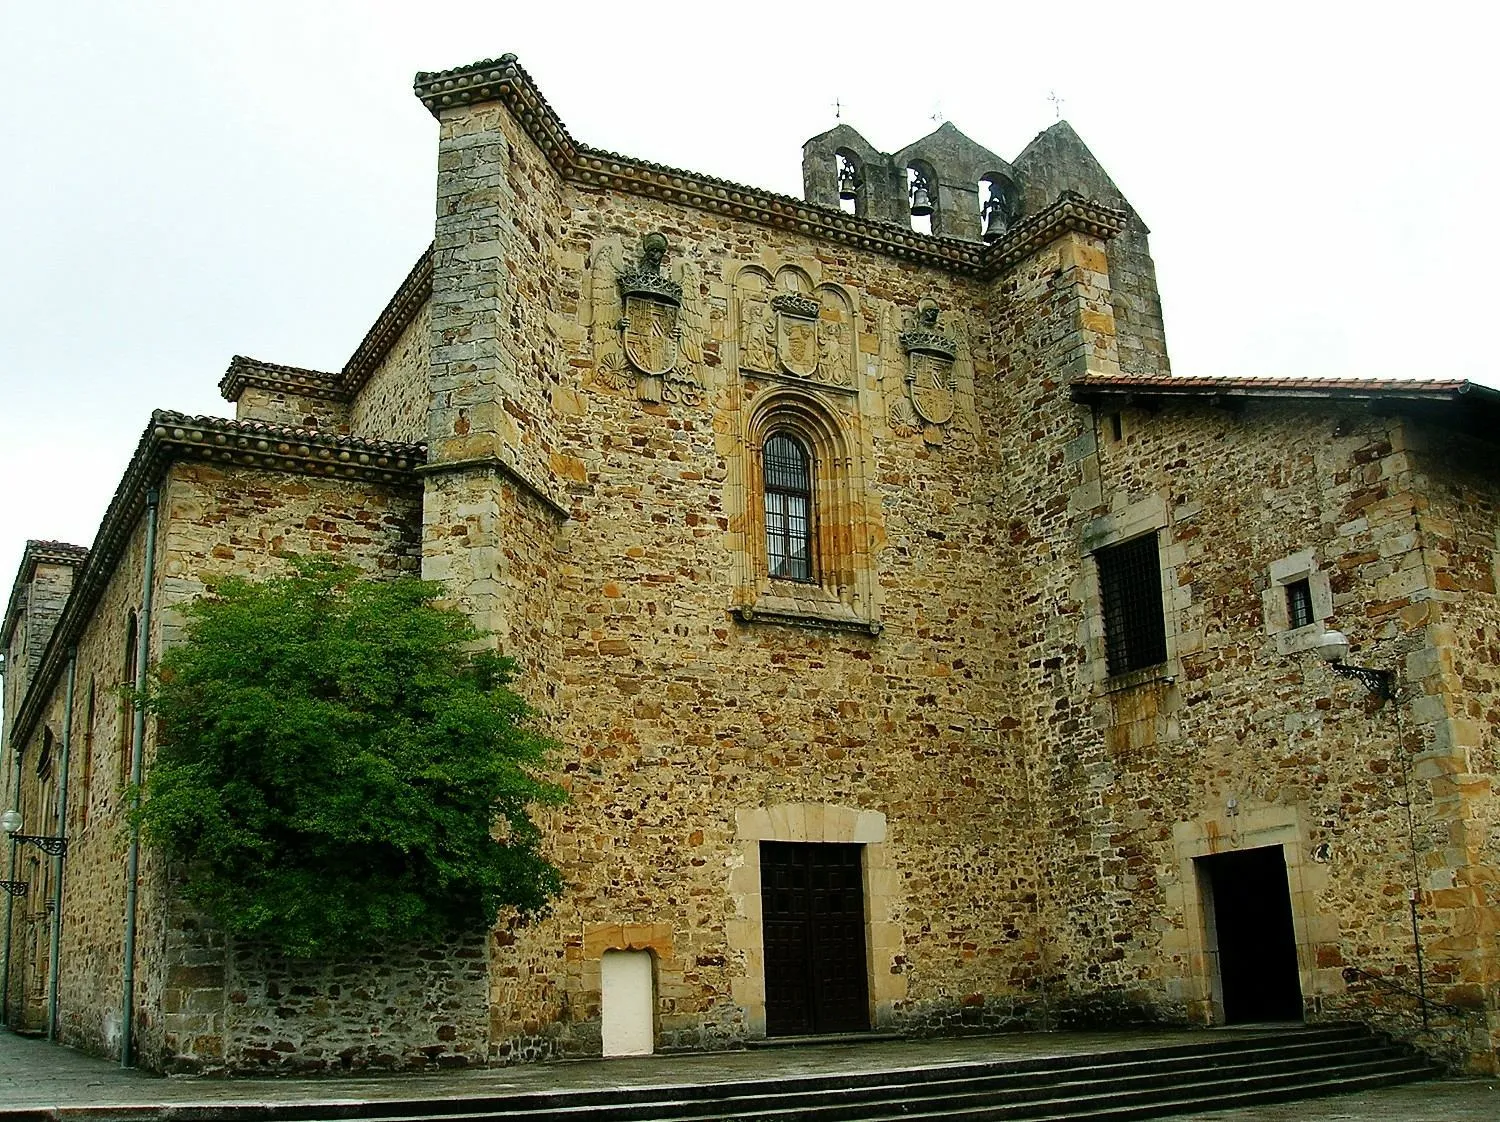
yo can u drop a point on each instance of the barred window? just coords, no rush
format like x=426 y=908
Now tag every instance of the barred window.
x=1299 y=605
x=1135 y=631
x=788 y=489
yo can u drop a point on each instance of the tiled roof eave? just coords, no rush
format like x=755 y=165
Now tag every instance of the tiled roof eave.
x=394 y=318
x=244 y=372
x=1414 y=389
x=177 y=436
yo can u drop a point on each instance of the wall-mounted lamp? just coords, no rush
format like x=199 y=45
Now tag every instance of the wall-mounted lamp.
x=1333 y=648
x=10 y=823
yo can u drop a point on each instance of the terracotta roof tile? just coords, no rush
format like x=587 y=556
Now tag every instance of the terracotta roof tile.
x=244 y=371
x=1277 y=387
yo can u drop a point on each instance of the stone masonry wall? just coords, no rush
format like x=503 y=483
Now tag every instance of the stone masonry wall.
x=243 y=522
x=93 y=889
x=392 y=404
x=677 y=720
x=1245 y=738
x=45 y=596
x=215 y=521
x=300 y=410
x=1458 y=750
x=1058 y=160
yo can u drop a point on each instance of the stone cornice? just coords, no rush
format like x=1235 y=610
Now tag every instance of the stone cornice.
x=514 y=474
x=36 y=553
x=281 y=448
x=499 y=79
x=244 y=372
x=394 y=318
x=176 y=436
x=504 y=80
x=1071 y=213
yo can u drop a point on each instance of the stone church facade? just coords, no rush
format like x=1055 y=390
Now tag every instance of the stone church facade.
x=925 y=655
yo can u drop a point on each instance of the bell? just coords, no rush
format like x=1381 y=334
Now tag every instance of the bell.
x=921 y=204
x=848 y=182
x=994 y=218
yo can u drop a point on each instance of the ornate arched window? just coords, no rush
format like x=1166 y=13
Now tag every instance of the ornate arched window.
x=788 y=468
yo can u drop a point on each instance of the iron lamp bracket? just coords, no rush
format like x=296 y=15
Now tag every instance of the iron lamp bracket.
x=55 y=846
x=1381 y=683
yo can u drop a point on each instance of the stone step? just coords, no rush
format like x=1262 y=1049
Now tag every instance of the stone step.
x=1112 y=1083
x=1265 y=1067
x=1321 y=1041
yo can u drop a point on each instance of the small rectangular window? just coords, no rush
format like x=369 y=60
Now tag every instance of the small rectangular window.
x=1135 y=630
x=1299 y=605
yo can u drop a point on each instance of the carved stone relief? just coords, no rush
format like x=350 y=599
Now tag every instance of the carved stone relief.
x=646 y=327
x=927 y=371
x=790 y=328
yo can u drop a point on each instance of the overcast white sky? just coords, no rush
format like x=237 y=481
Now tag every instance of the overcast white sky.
x=180 y=182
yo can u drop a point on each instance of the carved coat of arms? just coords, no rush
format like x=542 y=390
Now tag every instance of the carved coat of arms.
x=930 y=356
x=788 y=328
x=929 y=366
x=648 y=327
x=796 y=333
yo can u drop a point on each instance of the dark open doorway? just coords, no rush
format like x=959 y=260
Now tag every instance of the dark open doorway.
x=1250 y=913
x=813 y=909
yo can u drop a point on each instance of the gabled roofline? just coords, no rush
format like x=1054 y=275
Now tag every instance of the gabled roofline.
x=35 y=553
x=171 y=437
x=394 y=318
x=503 y=79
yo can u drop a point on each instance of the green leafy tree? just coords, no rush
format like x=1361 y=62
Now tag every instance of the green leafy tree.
x=338 y=769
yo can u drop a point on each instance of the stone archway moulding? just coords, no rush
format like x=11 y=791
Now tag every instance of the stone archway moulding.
x=815 y=822
x=1194 y=943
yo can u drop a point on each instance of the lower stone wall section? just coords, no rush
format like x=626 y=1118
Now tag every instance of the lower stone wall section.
x=242 y=1009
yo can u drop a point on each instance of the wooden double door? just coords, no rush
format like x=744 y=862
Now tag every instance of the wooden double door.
x=813 y=909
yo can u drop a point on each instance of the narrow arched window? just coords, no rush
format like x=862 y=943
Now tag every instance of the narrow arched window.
x=88 y=757
x=127 y=709
x=789 y=512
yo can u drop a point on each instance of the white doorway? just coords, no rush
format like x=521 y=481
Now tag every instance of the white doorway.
x=629 y=1000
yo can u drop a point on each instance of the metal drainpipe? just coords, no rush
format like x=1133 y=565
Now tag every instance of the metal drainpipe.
x=137 y=742
x=10 y=901
x=62 y=832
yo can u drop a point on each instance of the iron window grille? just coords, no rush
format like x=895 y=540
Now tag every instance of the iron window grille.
x=787 y=471
x=1299 y=605
x=1135 y=630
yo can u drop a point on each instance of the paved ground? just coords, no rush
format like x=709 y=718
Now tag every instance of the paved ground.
x=34 y=1073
